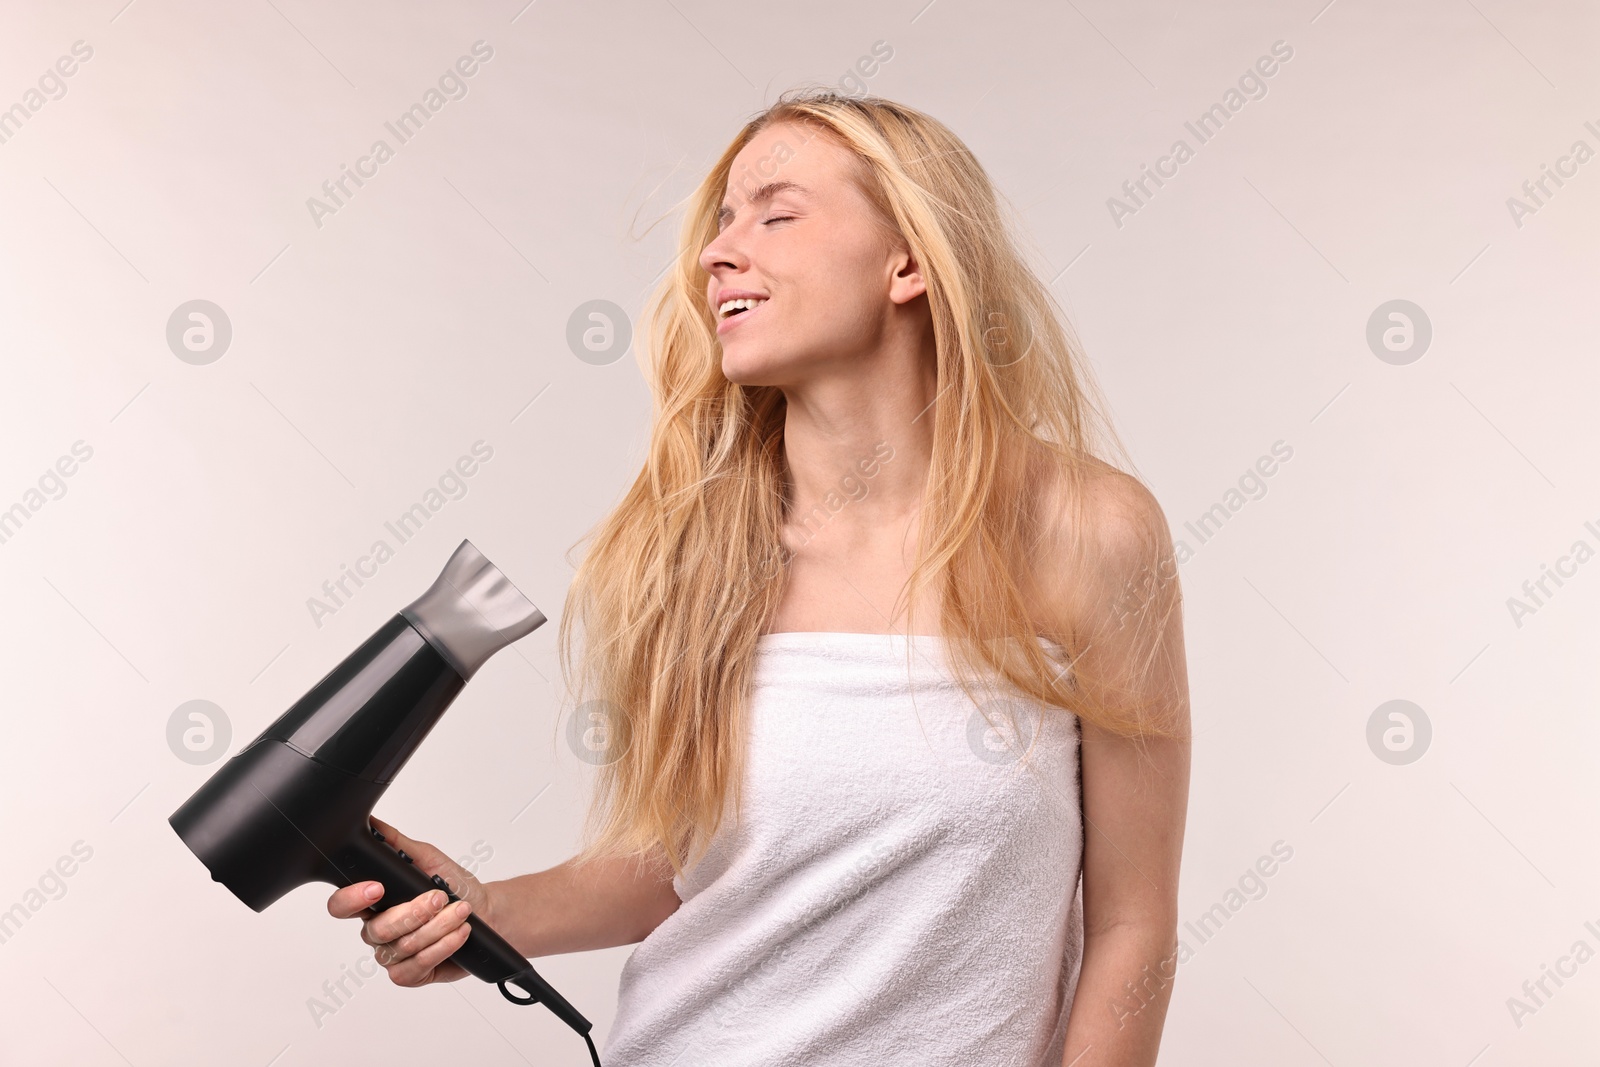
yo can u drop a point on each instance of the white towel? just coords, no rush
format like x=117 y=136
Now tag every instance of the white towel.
x=903 y=888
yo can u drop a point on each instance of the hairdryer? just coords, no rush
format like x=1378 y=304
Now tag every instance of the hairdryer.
x=292 y=806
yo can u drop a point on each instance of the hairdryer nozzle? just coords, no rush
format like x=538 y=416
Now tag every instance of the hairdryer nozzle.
x=471 y=611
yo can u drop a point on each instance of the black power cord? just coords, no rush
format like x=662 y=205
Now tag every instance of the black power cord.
x=531 y=998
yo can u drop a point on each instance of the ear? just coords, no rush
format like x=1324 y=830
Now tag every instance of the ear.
x=905 y=282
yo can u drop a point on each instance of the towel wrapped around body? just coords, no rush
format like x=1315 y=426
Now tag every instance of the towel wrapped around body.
x=901 y=887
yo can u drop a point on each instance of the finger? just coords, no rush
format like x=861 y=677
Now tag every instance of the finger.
x=422 y=853
x=401 y=919
x=440 y=926
x=449 y=970
x=424 y=967
x=349 y=901
x=393 y=924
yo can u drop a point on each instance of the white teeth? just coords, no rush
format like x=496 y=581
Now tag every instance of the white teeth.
x=744 y=302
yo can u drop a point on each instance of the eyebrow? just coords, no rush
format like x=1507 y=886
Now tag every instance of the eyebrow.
x=764 y=193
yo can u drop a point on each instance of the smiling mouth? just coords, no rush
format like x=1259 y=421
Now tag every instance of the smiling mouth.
x=726 y=321
x=741 y=309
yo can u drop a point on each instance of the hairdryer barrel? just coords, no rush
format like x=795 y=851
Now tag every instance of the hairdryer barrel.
x=293 y=806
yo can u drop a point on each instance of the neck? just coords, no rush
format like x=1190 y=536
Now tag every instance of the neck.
x=858 y=446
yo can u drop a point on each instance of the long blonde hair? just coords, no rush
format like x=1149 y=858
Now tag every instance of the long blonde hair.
x=687 y=571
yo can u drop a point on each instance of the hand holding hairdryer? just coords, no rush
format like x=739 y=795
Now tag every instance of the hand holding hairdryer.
x=414 y=942
x=294 y=805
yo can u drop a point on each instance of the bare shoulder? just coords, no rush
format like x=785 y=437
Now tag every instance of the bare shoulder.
x=1104 y=538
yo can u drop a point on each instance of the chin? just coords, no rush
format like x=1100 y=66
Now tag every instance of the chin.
x=746 y=370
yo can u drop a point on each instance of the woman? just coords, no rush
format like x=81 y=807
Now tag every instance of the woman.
x=830 y=848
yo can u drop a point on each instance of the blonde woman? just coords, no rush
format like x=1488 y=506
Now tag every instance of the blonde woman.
x=883 y=656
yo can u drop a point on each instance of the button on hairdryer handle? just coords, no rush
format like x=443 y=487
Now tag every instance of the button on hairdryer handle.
x=485 y=954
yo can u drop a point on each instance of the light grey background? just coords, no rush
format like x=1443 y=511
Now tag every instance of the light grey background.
x=431 y=311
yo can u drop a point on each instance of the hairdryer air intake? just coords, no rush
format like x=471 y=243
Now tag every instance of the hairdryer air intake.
x=292 y=806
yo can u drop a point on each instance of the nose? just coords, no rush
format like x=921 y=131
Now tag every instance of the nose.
x=722 y=254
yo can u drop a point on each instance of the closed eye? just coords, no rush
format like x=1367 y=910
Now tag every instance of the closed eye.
x=779 y=218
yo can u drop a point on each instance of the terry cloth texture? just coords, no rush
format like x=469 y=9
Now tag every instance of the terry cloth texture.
x=902 y=886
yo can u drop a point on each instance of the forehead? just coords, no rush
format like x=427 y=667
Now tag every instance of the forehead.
x=786 y=152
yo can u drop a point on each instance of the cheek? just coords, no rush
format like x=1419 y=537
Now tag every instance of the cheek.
x=839 y=291
x=849 y=309
x=859 y=277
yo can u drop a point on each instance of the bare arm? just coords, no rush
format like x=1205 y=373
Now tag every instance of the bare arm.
x=572 y=908
x=1135 y=794
x=568 y=908
x=1133 y=821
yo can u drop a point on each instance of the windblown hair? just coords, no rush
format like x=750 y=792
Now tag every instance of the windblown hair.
x=688 y=570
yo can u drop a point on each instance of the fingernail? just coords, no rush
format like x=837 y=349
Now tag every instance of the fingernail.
x=436 y=900
x=373 y=891
x=463 y=909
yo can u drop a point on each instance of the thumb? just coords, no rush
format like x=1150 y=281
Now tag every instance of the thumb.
x=430 y=860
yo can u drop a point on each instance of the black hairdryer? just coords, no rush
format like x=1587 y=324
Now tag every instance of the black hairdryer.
x=292 y=806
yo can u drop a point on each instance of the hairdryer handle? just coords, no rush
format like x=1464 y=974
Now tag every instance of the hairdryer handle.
x=485 y=954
